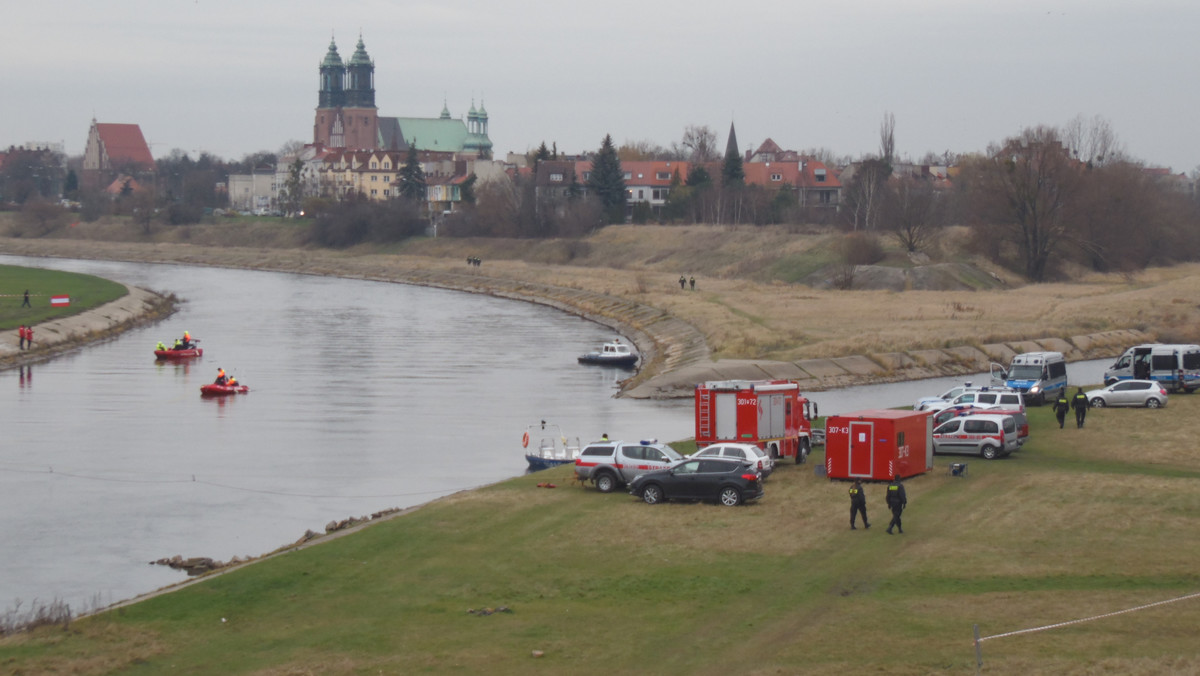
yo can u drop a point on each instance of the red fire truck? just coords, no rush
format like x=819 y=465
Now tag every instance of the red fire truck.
x=771 y=414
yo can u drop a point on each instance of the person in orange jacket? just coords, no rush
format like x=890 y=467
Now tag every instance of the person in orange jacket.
x=221 y=377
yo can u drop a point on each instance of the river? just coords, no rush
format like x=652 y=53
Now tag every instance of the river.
x=365 y=396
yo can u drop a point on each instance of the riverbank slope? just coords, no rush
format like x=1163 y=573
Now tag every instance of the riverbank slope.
x=735 y=324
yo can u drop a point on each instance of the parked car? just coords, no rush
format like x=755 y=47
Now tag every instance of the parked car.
x=745 y=452
x=985 y=396
x=611 y=464
x=1146 y=393
x=988 y=435
x=728 y=481
x=927 y=403
x=962 y=410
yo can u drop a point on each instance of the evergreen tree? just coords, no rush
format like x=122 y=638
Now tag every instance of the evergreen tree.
x=607 y=181
x=412 y=177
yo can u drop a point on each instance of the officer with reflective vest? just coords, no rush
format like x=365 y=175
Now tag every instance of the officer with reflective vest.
x=858 y=503
x=1080 y=403
x=221 y=379
x=1061 y=406
x=896 y=501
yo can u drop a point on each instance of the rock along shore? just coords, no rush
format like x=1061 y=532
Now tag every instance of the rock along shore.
x=675 y=355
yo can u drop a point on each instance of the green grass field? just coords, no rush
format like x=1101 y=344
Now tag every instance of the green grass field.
x=1079 y=523
x=85 y=291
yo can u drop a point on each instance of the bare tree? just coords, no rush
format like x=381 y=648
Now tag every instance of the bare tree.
x=887 y=138
x=700 y=142
x=1092 y=141
x=1027 y=187
x=913 y=212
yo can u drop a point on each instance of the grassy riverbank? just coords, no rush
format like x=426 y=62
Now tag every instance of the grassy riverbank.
x=1079 y=523
x=85 y=292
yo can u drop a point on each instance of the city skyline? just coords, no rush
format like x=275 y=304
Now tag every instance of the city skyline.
x=232 y=79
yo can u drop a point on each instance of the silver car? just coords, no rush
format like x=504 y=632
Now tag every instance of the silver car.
x=1146 y=393
x=748 y=453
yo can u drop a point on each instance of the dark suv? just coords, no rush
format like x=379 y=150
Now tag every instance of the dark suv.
x=726 y=480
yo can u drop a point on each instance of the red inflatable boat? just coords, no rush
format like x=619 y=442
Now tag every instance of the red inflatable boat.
x=215 y=390
x=179 y=354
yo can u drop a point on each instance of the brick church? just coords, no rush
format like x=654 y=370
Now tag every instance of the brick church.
x=346 y=115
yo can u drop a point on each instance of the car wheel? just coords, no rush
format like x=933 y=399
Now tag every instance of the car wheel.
x=606 y=482
x=652 y=494
x=1098 y=403
x=1153 y=403
x=988 y=452
x=730 y=496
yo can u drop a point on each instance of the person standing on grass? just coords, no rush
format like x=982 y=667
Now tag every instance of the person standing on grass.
x=25 y=303
x=896 y=501
x=858 y=503
x=682 y=282
x=1061 y=406
x=1080 y=403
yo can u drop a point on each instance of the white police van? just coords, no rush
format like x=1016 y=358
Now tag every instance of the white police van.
x=1175 y=367
x=1040 y=376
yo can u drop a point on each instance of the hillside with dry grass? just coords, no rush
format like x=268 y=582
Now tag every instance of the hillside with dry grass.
x=750 y=300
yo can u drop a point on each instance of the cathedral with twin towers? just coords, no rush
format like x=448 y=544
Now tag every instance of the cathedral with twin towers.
x=346 y=115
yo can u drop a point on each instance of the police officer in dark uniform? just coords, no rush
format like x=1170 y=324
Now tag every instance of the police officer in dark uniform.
x=1080 y=403
x=896 y=501
x=858 y=503
x=1061 y=406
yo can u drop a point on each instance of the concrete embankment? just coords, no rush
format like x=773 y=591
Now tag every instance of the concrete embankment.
x=55 y=337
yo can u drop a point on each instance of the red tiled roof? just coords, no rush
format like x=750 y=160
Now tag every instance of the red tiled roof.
x=124 y=143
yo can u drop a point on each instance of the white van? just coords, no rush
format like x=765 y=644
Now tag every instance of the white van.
x=1040 y=376
x=1175 y=367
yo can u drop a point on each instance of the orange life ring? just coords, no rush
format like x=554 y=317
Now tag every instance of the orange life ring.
x=525 y=440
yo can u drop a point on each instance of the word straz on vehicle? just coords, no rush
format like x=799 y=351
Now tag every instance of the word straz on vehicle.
x=771 y=414
x=878 y=444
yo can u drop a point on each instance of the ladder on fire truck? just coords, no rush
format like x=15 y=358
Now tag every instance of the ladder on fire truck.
x=704 y=416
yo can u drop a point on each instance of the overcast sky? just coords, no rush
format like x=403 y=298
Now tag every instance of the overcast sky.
x=234 y=77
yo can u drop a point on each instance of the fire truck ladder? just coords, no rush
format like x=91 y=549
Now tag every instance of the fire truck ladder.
x=705 y=416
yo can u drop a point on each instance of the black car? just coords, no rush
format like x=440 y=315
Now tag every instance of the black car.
x=726 y=480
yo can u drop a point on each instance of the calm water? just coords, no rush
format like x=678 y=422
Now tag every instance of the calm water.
x=364 y=396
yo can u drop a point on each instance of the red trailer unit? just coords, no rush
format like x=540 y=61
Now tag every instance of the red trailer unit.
x=771 y=414
x=876 y=445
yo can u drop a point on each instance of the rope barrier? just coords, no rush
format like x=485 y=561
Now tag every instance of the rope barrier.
x=1088 y=619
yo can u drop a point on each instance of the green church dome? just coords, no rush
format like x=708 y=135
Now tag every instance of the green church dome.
x=331 y=57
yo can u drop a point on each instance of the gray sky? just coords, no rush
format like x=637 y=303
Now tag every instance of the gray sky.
x=233 y=77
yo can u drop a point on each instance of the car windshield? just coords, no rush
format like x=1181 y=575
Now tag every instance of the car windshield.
x=671 y=453
x=1025 y=372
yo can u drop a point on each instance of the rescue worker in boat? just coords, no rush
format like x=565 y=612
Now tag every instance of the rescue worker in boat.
x=222 y=379
x=160 y=347
x=178 y=344
x=1061 y=406
x=232 y=382
x=187 y=340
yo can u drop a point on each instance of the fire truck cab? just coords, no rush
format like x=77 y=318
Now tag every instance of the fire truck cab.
x=772 y=414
